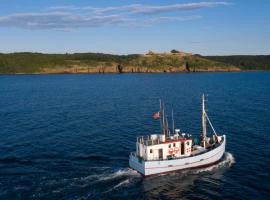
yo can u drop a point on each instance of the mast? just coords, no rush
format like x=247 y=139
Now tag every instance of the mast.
x=172 y=122
x=160 y=106
x=167 y=126
x=163 y=119
x=203 y=121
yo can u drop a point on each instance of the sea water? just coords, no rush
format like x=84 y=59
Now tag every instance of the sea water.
x=69 y=136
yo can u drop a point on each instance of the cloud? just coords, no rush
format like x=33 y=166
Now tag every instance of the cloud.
x=179 y=7
x=155 y=20
x=58 y=20
x=146 y=9
x=142 y=9
x=66 y=18
x=68 y=21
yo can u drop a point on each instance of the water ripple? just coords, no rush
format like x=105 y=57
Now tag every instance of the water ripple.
x=69 y=136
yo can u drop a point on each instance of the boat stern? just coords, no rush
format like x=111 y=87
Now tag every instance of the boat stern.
x=136 y=163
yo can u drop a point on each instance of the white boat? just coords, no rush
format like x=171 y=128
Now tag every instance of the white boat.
x=174 y=150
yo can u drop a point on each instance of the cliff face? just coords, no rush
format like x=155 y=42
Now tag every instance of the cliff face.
x=106 y=63
x=114 y=69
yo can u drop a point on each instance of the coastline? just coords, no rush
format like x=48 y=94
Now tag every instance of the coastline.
x=97 y=63
x=115 y=73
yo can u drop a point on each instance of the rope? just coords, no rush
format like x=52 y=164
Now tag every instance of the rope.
x=210 y=123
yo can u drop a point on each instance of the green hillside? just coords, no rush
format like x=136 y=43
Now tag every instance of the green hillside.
x=244 y=62
x=108 y=63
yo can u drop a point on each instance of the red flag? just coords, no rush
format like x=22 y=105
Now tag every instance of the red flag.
x=156 y=115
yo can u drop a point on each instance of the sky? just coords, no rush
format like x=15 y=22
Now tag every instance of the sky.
x=207 y=27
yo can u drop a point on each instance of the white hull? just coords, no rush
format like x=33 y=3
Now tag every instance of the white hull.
x=148 y=168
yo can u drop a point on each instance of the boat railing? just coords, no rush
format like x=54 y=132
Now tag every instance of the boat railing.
x=216 y=144
x=148 y=141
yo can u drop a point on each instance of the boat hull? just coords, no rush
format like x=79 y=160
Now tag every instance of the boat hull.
x=150 y=168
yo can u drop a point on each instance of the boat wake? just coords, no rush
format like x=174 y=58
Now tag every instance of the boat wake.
x=120 y=173
x=123 y=183
x=227 y=161
x=120 y=179
x=105 y=180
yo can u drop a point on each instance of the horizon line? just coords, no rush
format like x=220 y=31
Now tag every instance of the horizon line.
x=118 y=54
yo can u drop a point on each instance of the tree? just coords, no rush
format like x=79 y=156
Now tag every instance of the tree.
x=150 y=53
x=120 y=69
x=187 y=66
x=174 y=51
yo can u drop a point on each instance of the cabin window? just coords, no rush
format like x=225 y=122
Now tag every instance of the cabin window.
x=169 y=145
x=151 y=150
x=187 y=143
x=173 y=144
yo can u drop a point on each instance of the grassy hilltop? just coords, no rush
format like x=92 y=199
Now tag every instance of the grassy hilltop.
x=258 y=62
x=108 y=63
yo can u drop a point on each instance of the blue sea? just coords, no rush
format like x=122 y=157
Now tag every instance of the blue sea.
x=69 y=136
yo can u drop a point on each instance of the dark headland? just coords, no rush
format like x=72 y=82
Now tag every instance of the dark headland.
x=151 y=62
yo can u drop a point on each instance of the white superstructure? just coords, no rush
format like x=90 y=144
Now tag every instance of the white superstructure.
x=175 y=150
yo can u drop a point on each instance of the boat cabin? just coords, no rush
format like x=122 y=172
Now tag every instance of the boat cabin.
x=160 y=147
